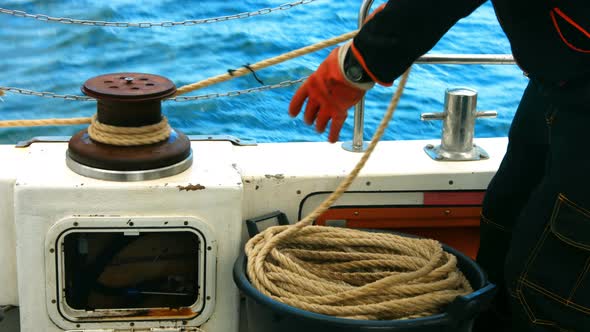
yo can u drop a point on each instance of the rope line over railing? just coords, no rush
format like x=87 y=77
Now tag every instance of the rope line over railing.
x=166 y=24
x=44 y=122
x=204 y=83
x=266 y=63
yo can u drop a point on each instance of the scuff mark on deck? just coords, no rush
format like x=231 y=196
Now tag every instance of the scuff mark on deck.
x=191 y=187
x=275 y=176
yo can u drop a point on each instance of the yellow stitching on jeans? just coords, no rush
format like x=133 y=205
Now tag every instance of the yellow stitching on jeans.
x=525 y=306
x=535 y=251
x=523 y=278
x=532 y=318
x=574 y=205
x=562 y=199
x=489 y=221
x=556 y=297
x=523 y=274
x=540 y=242
x=570 y=242
x=511 y=293
x=550 y=117
x=580 y=278
x=579 y=308
x=544 y=291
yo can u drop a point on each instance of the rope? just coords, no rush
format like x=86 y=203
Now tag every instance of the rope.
x=43 y=122
x=266 y=63
x=350 y=273
x=204 y=83
x=129 y=136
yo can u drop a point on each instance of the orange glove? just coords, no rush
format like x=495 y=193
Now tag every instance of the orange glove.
x=329 y=95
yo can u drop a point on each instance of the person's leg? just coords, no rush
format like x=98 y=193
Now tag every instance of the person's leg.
x=547 y=269
x=519 y=174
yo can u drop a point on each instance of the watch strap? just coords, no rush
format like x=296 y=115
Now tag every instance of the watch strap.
x=352 y=70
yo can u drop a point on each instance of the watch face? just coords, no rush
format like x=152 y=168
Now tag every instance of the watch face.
x=354 y=73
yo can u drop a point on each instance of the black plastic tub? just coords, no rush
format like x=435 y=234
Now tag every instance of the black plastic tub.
x=267 y=315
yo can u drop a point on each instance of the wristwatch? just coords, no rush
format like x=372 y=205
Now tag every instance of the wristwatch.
x=353 y=69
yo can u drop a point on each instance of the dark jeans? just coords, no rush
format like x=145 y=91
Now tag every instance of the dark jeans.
x=535 y=225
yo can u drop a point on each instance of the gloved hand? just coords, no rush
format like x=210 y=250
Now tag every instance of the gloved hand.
x=329 y=95
x=329 y=92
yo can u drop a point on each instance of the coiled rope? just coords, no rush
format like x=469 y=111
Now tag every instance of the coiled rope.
x=129 y=136
x=350 y=273
x=198 y=85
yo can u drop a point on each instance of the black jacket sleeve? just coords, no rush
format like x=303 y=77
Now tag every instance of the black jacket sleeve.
x=403 y=31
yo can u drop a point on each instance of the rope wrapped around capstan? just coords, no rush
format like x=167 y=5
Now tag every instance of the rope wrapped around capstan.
x=129 y=136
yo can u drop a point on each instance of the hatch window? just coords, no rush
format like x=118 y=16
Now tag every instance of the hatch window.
x=131 y=270
x=131 y=274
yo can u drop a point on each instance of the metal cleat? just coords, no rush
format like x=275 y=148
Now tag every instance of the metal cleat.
x=460 y=112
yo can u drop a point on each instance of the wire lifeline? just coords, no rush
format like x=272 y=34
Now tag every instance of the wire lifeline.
x=233 y=93
x=166 y=24
x=201 y=84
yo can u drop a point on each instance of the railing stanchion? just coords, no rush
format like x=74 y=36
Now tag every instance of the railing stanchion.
x=357 y=144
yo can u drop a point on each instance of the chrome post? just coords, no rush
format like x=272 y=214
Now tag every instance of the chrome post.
x=460 y=113
x=466 y=59
x=357 y=144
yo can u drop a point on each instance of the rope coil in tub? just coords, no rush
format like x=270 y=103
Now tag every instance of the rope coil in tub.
x=350 y=273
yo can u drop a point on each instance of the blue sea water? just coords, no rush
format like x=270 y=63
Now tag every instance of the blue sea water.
x=58 y=58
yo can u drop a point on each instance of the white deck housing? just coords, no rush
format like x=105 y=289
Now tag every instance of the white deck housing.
x=240 y=182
